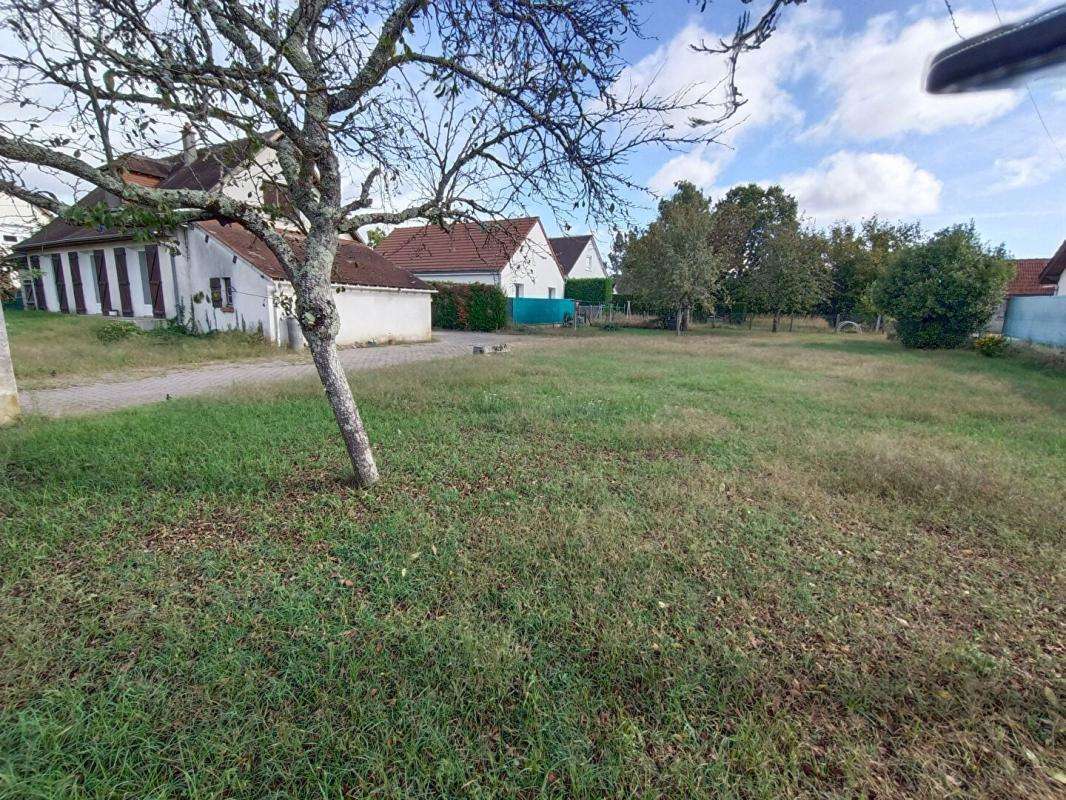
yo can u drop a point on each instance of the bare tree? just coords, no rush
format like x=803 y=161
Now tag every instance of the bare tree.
x=446 y=109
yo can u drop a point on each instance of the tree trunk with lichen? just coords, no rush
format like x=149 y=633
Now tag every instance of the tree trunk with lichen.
x=317 y=314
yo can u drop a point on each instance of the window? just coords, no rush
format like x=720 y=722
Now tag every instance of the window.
x=518 y=290
x=222 y=294
x=9 y=238
x=146 y=291
x=551 y=292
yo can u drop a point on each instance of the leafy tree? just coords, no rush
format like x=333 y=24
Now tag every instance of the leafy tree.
x=792 y=276
x=756 y=211
x=619 y=246
x=943 y=290
x=673 y=263
x=857 y=257
x=374 y=235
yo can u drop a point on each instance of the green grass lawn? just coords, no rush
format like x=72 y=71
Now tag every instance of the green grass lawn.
x=723 y=566
x=54 y=349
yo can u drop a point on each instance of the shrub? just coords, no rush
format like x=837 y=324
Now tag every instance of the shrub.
x=116 y=331
x=468 y=307
x=944 y=290
x=991 y=345
x=486 y=308
x=590 y=290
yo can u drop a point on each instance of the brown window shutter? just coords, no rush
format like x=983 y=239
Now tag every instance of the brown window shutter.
x=40 y=302
x=123 y=274
x=216 y=292
x=61 y=284
x=100 y=265
x=75 y=282
x=155 y=281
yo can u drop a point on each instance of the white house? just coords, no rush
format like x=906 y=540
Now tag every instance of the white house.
x=212 y=275
x=514 y=254
x=18 y=219
x=579 y=257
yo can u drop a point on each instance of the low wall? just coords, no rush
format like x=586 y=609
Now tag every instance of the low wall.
x=382 y=315
x=1041 y=320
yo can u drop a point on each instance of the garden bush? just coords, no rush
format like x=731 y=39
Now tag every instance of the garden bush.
x=590 y=290
x=942 y=291
x=468 y=307
x=116 y=331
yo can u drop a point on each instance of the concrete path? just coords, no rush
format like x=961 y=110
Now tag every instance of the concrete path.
x=114 y=392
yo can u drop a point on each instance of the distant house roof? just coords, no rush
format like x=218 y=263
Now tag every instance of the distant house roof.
x=567 y=249
x=464 y=247
x=355 y=263
x=1026 y=280
x=1056 y=264
x=205 y=172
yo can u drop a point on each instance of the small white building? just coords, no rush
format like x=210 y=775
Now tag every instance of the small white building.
x=514 y=254
x=579 y=257
x=210 y=275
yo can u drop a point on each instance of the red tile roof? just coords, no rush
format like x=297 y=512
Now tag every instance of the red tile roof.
x=465 y=247
x=355 y=264
x=1026 y=280
x=1055 y=266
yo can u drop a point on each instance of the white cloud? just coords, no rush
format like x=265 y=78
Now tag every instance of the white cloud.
x=698 y=166
x=1019 y=172
x=848 y=185
x=876 y=79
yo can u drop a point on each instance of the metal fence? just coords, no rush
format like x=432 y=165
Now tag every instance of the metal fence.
x=540 y=311
x=1041 y=320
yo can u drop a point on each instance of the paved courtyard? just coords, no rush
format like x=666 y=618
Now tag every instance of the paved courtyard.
x=113 y=393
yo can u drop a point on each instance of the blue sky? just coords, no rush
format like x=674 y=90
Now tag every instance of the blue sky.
x=836 y=114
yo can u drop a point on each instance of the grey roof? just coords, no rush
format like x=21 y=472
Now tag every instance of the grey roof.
x=568 y=248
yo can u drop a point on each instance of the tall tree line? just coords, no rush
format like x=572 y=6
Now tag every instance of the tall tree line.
x=750 y=253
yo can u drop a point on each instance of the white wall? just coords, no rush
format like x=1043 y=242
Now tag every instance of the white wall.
x=1061 y=289
x=534 y=266
x=383 y=315
x=589 y=264
x=377 y=314
x=202 y=258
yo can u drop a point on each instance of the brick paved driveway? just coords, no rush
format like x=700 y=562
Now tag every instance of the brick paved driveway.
x=110 y=393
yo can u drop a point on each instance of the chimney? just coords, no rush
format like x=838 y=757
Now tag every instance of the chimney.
x=188 y=144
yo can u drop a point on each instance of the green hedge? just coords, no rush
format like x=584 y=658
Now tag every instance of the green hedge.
x=469 y=307
x=589 y=290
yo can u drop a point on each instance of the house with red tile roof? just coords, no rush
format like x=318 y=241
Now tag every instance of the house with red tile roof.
x=1027 y=282
x=213 y=275
x=514 y=254
x=1054 y=272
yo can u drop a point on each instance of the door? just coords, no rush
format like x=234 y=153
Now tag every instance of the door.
x=100 y=265
x=40 y=302
x=75 y=282
x=155 y=282
x=124 y=296
x=61 y=284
